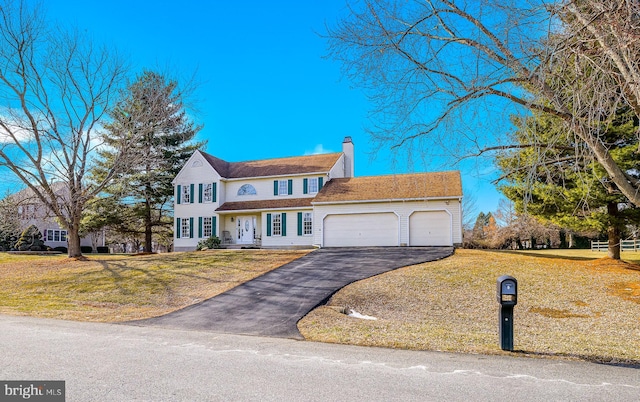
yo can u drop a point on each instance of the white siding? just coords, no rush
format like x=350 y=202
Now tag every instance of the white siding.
x=337 y=171
x=291 y=239
x=197 y=170
x=264 y=188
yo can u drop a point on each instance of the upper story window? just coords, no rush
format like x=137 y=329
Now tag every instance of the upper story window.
x=283 y=187
x=27 y=211
x=311 y=185
x=247 y=189
x=186 y=194
x=207 y=192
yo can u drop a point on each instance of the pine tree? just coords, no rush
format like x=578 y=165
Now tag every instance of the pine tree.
x=152 y=109
x=555 y=181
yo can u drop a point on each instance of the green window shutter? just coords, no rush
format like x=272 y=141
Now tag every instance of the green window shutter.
x=191 y=197
x=290 y=187
x=284 y=224
x=305 y=186
x=200 y=227
x=214 y=224
x=200 y=193
x=300 y=223
x=319 y=184
x=178 y=227
x=275 y=187
x=269 y=224
x=215 y=192
x=191 y=228
x=179 y=193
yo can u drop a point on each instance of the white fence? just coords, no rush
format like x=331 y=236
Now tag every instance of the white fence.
x=625 y=245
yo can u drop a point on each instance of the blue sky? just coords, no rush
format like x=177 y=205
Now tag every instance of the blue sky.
x=266 y=90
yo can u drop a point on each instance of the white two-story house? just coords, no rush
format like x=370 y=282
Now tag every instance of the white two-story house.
x=312 y=201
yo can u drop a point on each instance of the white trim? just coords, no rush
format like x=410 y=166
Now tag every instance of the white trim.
x=385 y=200
x=275 y=176
x=245 y=211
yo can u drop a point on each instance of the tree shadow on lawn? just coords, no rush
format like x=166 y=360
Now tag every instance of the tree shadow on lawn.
x=115 y=270
x=550 y=256
x=607 y=361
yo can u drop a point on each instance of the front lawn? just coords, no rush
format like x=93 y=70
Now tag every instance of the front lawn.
x=121 y=287
x=568 y=306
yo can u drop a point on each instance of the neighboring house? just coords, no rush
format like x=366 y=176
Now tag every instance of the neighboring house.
x=312 y=201
x=31 y=211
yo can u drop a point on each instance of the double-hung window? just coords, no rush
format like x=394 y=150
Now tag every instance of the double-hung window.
x=207 y=192
x=185 y=228
x=186 y=194
x=313 y=185
x=207 y=227
x=276 y=224
x=307 y=223
x=283 y=188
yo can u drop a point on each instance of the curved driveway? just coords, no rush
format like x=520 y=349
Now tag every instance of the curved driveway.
x=272 y=304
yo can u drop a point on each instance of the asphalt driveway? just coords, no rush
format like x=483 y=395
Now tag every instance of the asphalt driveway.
x=272 y=304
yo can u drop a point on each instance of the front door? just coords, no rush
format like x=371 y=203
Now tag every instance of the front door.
x=246 y=229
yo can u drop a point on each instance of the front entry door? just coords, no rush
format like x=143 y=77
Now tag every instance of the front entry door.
x=246 y=226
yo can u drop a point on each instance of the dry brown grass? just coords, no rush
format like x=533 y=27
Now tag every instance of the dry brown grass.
x=121 y=287
x=566 y=307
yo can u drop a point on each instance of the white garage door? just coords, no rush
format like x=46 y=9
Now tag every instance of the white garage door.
x=432 y=228
x=380 y=229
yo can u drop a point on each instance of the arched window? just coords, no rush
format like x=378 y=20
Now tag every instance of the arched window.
x=247 y=189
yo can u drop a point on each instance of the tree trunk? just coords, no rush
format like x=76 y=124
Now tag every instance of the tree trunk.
x=148 y=229
x=613 y=230
x=73 y=239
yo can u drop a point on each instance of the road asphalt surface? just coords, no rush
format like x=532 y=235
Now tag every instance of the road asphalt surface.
x=272 y=304
x=107 y=362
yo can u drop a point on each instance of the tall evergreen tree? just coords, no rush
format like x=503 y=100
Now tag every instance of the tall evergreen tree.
x=552 y=180
x=152 y=109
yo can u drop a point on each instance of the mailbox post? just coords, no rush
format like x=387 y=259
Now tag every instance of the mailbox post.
x=507 y=293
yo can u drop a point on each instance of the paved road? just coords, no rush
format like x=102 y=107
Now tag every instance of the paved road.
x=272 y=304
x=106 y=362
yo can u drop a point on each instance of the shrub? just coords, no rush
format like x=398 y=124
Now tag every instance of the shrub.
x=211 y=242
x=30 y=240
x=86 y=249
x=102 y=249
x=61 y=249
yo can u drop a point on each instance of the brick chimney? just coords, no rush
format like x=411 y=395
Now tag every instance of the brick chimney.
x=347 y=150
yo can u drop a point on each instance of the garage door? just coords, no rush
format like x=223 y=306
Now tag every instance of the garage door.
x=380 y=229
x=432 y=228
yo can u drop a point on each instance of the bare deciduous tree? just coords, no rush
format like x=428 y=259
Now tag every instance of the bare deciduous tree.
x=55 y=87
x=430 y=64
